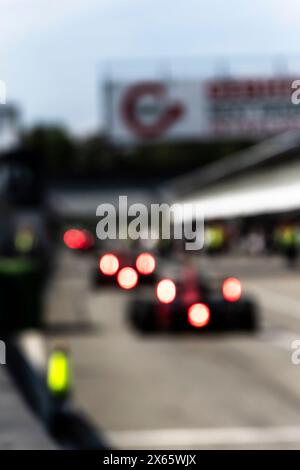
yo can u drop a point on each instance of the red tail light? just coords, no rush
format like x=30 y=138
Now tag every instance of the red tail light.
x=166 y=291
x=127 y=278
x=75 y=239
x=109 y=264
x=232 y=289
x=145 y=263
x=198 y=315
x=89 y=239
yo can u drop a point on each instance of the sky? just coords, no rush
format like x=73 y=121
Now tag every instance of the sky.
x=55 y=54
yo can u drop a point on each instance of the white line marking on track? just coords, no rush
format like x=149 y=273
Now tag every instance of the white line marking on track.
x=181 y=438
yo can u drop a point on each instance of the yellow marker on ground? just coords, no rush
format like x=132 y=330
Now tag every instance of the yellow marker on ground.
x=58 y=374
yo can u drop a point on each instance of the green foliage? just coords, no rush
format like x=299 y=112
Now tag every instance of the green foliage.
x=66 y=156
x=54 y=146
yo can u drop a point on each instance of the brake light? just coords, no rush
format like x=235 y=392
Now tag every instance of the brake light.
x=75 y=239
x=145 y=264
x=232 y=289
x=127 y=278
x=166 y=291
x=109 y=264
x=89 y=239
x=198 y=315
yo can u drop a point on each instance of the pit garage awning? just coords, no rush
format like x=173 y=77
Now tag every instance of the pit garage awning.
x=264 y=191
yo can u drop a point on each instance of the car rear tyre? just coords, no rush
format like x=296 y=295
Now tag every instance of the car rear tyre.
x=249 y=318
x=141 y=316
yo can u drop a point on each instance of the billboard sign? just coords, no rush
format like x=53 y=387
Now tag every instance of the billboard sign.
x=221 y=108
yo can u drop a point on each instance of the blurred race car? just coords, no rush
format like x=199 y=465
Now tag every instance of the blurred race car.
x=124 y=269
x=194 y=304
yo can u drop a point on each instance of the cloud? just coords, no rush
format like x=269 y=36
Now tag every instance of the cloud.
x=22 y=17
x=53 y=52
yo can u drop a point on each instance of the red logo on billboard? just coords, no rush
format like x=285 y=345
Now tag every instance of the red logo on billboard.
x=147 y=110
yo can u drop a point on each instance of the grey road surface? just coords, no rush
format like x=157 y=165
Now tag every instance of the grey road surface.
x=215 y=392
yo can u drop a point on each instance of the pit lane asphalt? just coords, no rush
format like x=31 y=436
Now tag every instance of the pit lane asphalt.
x=206 y=392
